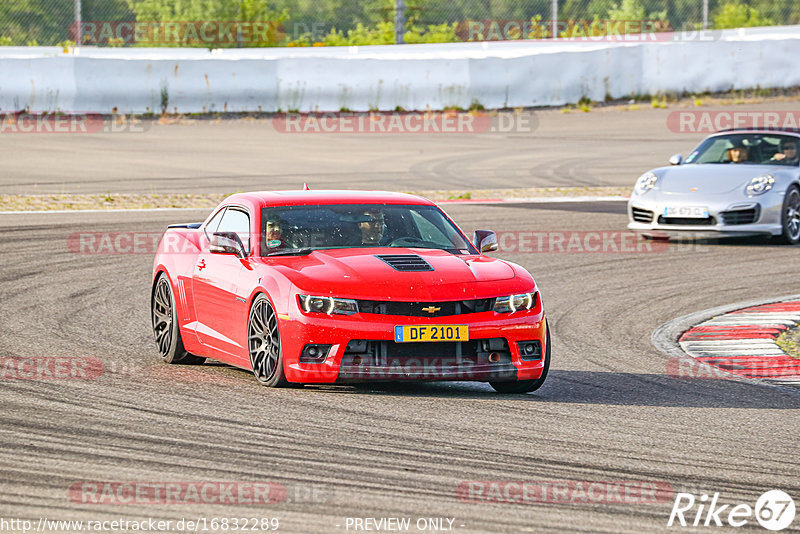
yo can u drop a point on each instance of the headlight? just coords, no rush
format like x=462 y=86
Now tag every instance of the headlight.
x=645 y=183
x=329 y=305
x=510 y=304
x=760 y=185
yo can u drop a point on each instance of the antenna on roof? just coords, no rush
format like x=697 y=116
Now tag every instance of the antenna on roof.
x=306 y=188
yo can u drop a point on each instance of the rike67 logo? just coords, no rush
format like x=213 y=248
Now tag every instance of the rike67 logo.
x=774 y=510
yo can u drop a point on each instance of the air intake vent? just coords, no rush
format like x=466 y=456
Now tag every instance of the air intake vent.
x=641 y=215
x=405 y=262
x=747 y=216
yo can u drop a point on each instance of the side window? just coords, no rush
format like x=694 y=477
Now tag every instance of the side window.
x=236 y=220
x=211 y=227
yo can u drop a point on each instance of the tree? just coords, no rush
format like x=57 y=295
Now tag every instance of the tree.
x=734 y=14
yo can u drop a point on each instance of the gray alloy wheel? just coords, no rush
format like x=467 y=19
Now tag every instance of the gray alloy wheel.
x=264 y=343
x=165 y=327
x=527 y=386
x=791 y=216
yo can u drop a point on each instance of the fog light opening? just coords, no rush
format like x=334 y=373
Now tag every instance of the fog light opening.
x=314 y=353
x=530 y=350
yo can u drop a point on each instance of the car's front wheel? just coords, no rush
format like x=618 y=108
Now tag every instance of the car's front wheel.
x=165 y=325
x=264 y=344
x=527 y=386
x=790 y=219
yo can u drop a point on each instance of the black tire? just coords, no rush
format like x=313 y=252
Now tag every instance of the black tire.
x=264 y=344
x=165 y=327
x=527 y=386
x=790 y=216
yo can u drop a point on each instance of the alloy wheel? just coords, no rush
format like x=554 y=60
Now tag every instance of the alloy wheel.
x=263 y=340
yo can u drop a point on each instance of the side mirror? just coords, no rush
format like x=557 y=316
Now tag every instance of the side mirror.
x=227 y=243
x=485 y=240
x=677 y=159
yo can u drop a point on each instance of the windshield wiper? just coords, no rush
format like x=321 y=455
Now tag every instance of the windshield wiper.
x=292 y=252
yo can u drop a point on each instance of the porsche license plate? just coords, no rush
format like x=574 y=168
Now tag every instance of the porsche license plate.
x=686 y=212
x=407 y=334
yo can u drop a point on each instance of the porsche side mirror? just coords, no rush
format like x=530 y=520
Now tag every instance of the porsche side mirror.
x=227 y=243
x=677 y=159
x=485 y=240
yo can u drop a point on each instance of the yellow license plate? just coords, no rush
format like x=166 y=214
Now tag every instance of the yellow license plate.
x=439 y=332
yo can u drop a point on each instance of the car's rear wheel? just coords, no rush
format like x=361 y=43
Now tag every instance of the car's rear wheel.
x=526 y=386
x=264 y=344
x=790 y=219
x=165 y=325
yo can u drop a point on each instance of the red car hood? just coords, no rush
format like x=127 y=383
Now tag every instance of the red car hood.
x=357 y=273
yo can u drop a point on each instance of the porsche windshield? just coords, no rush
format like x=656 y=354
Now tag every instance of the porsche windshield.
x=300 y=229
x=748 y=148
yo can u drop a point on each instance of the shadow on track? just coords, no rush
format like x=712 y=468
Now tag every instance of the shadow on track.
x=599 y=388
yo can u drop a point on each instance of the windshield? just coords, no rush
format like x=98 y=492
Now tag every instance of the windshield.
x=747 y=148
x=288 y=229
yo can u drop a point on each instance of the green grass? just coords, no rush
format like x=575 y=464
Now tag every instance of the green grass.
x=789 y=342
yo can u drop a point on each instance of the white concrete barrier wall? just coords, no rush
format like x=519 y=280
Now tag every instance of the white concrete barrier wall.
x=414 y=77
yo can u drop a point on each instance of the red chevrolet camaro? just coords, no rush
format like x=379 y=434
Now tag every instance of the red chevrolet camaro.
x=314 y=287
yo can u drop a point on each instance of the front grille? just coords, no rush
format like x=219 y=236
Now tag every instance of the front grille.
x=642 y=216
x=405 y=262
x=748 y=216
x=425 y=309
x=687 y=221
x=379 y=351
x=480 y=359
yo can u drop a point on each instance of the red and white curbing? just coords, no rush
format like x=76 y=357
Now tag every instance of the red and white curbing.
x=742 y=342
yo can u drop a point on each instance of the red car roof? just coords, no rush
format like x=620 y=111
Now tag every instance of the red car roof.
x=292 y=198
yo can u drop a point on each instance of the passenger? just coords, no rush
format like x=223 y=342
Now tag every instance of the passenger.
x=738 y=154
x=788 y=154
x=274 y=235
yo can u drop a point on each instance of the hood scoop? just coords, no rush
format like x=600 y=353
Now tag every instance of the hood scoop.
x=405 y=262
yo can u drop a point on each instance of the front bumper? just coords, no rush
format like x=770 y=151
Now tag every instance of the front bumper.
x=424 y=361
x=725 y=217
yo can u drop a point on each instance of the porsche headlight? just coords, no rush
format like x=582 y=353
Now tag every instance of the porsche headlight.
x=329 y=305
x=760 y=185
x=645 y=183
x=512 y=303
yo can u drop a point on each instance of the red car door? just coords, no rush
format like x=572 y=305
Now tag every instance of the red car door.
x=220 y=303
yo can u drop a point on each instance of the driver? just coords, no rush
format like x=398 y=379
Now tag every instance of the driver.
x=738 y=154
x=788 y=153
x=372 y=230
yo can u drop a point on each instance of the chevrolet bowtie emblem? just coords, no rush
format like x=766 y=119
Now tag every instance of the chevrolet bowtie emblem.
x=431 y=309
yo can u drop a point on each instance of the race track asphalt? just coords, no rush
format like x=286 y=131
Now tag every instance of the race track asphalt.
x=551 y=148
x=610 y=411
